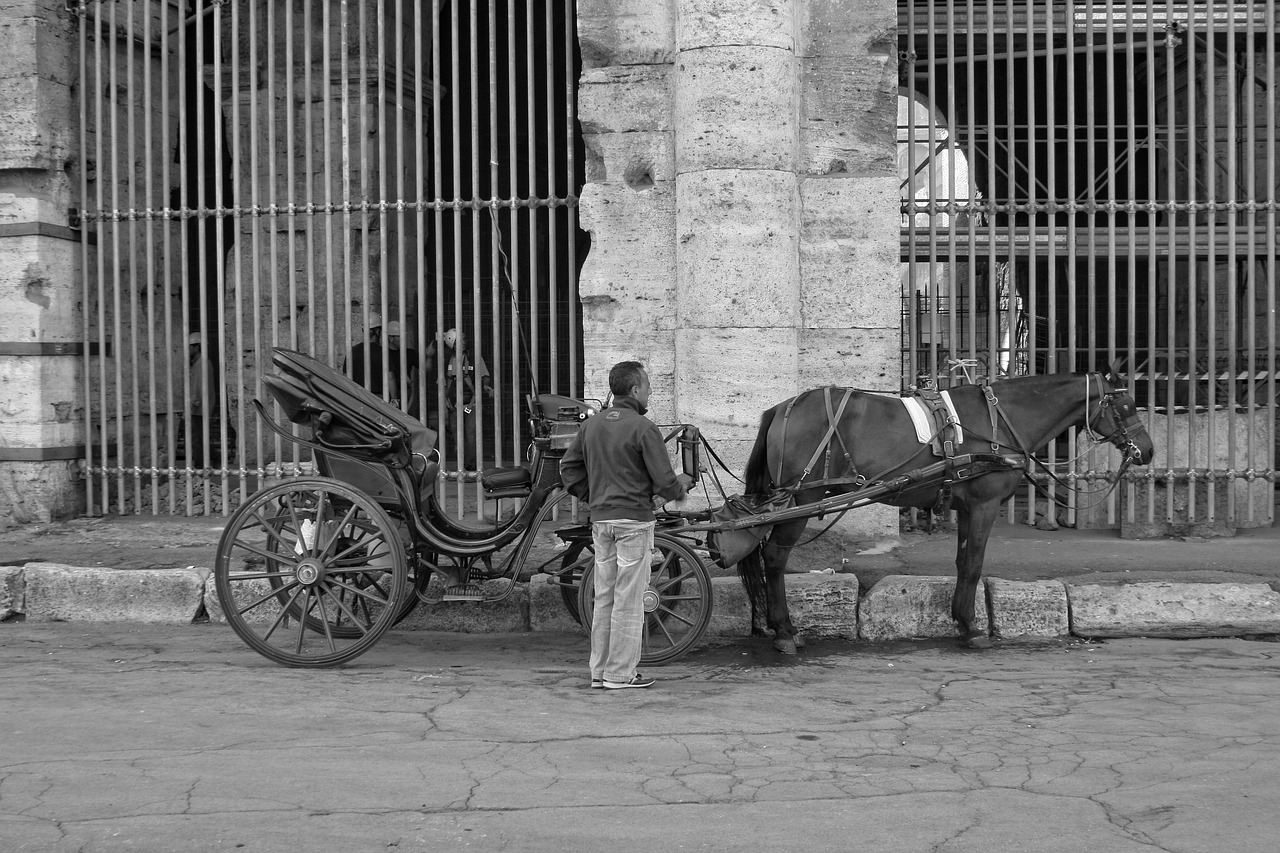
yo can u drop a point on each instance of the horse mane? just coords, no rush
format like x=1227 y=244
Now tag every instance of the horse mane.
x=756 y=477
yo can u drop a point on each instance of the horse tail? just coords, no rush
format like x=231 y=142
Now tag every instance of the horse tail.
x=756 y=478
x=751 y=573
x=757 y=481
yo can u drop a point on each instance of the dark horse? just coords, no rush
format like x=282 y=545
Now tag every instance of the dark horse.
x=874 y=441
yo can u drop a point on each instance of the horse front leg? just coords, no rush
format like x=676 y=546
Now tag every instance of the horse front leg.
x=971 y=549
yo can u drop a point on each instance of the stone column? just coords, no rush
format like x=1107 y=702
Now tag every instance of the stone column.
x=737 y=215
x=41 y=354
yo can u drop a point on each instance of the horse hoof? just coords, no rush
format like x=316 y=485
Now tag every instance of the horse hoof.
x=799 y=641
x=787 y=647
x=976 y=641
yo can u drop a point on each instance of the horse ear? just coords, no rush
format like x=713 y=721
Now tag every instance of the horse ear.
x=1114 y=368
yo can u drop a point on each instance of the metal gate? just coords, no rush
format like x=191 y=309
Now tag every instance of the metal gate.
x=388 y=185
x=1085 y=182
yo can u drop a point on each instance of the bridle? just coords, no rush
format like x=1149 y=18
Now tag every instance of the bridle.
x=1118 y=408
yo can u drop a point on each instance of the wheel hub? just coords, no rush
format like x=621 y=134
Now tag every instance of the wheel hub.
x=651 y=600
x=308 y=572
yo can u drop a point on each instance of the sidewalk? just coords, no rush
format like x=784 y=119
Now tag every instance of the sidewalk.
x=1053 y=579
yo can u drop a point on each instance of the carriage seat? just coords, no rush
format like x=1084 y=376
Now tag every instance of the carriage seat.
x=365 y=433
x=512 y=482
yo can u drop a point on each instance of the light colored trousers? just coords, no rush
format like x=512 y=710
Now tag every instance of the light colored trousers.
x=621 y=577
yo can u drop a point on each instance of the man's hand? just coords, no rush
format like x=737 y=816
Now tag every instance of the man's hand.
x=685 y=481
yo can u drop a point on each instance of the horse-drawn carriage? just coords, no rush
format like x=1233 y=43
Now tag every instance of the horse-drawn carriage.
x=314 y=570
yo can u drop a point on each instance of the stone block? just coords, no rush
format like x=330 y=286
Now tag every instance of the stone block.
x=1163 y=609
x=625 y=32
x=636 y=160
x=850 y=271
x=853 y=358
x=547 y=610
x=848 y=116
x=902 y=607
x=721 y=93
x=714 y=23
x=12 y=591
x=723 y=384
x=58 y=593
x=824 y=605
x=738 y=264
x=1028 y=608
x=625 y=99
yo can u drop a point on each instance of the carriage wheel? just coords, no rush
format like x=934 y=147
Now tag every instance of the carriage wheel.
x=577 y=560
x=677 y=604
x=311 y=573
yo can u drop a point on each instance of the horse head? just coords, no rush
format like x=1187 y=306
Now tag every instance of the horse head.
x=1115 y=418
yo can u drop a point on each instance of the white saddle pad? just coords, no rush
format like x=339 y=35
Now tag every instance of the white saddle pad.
x=923 y=421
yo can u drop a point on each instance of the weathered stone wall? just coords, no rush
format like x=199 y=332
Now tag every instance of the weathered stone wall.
x=742 y=198
x=41 y=397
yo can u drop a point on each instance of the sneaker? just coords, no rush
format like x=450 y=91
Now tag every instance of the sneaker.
x=597 y=683
x=637 y=680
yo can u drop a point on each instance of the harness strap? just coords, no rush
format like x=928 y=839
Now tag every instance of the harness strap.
x=832 y=423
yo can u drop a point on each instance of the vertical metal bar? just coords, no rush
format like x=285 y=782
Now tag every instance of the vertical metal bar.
x=437 y=178
x=88 y=228
x=368 y=197
x=1055 y=209
x=129 y=200
x=278 y=222
x=553 y=174
x=495 y=239
x=1211 y=238
x=1271 y=365
x=518 y=366
x=1192 y=265
x=325 y=291
x=909 y=194
x=311 y=196
x=1035 y=19
x=116 y=272
x=535 y=331
x=1249 y=218
x=455 y=112
x=1072 y=236
x=1172 y=297
x=936 y=301
x=420 y=195
x=474 y=214
x=240 y=188
x=964 y=304
x=992 y=331
x=1153 y=324
x=292 y=147
x=222 y=222
x=402 y=232
x=340 y=290
x=148 y=243
x=259 y=223
x=571 y=192
x=168 y=223
x=384 y=216
x=1231 y=342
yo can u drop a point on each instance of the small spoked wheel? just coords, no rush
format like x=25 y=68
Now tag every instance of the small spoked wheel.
x=311 y=573
x=677 y=602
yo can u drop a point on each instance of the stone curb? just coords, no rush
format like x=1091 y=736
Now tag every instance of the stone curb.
x=822 y=606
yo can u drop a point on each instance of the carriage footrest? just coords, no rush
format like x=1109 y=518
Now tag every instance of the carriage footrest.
x=464 y=592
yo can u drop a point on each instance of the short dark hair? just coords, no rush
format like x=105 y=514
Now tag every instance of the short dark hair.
x=624 y=376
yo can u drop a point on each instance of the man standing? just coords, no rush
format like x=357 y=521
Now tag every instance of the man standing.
x=618 y=464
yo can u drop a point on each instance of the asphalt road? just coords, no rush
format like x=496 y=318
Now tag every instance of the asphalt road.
x=127 y=737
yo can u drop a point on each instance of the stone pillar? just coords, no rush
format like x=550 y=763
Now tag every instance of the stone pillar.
x=737 y=306
x=41 y=354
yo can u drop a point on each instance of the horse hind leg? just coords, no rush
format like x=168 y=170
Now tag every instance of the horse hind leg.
x=775 y=554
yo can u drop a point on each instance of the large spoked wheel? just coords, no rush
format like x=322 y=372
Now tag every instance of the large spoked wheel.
x=311 y=573
x=677 y=604
x=577 y=560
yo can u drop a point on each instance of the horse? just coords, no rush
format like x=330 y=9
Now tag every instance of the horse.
x=869 y=438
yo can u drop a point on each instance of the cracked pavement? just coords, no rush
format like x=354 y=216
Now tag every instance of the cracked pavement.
x=133 y=737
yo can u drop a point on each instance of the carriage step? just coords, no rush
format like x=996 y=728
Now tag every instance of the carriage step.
x=465 y=592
